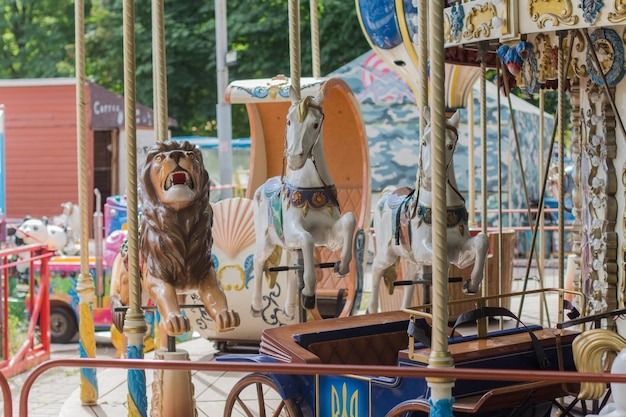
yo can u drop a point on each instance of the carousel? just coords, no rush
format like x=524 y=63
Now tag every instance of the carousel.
x=302 y=227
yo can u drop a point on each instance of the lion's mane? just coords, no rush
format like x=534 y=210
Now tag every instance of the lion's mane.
x=176 y=244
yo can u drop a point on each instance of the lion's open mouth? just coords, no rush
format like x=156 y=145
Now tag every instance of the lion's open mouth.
x=179 y=177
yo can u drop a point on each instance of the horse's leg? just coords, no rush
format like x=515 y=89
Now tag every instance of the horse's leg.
x=292 y=293
x=264 y=249
x=307 y=245
x=412 y=272
x=345 y=226
x=480 y=245
x=382 y=261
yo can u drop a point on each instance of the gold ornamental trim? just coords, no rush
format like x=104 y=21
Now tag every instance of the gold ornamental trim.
x=479 y=22
x=555 y=12
x=619 y=12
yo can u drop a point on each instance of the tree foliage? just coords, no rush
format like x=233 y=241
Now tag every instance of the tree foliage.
x=38 y=41
x=37 y=38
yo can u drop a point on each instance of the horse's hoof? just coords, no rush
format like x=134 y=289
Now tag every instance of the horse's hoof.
x=307 y=301
x=467 y=290
x=337 y=270
x=289 y=316
x=254 y=312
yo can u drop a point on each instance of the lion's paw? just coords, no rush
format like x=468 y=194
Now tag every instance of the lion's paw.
x=176 y=324
x=226 y=320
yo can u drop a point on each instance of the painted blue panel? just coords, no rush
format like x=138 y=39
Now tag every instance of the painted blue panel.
x=343 y=396
x=391 y=120
x=380 y=22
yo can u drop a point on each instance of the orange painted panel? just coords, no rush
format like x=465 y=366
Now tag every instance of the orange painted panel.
x=41 y=154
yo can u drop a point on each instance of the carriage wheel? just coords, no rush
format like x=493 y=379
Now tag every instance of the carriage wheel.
x=256 y=395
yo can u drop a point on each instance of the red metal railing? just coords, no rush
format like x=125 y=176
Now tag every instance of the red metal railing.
x=306 y=369
x=32 y=351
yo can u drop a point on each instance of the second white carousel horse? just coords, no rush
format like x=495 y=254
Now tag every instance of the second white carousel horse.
x=403 y=223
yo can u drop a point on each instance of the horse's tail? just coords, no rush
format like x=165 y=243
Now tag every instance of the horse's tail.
x=589 y=348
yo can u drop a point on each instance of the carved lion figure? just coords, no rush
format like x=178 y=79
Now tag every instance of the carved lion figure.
x=175 y=239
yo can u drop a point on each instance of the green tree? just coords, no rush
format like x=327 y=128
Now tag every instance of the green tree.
x=38 y=41
x=257 y=30
x=37 y=38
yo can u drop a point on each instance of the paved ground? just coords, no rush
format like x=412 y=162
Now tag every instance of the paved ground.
x=53 y=388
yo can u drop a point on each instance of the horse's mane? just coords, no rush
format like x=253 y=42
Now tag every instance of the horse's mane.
x=176 y=244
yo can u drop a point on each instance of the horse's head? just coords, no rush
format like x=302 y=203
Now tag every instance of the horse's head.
x=451 y=138
x=304 y=128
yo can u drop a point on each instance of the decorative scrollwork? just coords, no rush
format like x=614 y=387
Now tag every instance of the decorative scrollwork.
x=554 y=12
x=456 y=25
x=619 y=12
x=610 y=52
x=591 y=9
x=479 y=22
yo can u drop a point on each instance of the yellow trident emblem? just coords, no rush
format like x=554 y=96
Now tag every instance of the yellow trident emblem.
x=340 y=409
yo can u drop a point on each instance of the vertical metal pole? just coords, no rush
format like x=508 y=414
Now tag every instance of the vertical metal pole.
x=561 y=117
x=294 y=47
x=85 y=286
x=471 y=161
x=315 y=40
x=160 y=70
x=482 y=324
x=542 y=237
x=224 y=116
x=134 y=323
x=441 y=388
x=422 y=58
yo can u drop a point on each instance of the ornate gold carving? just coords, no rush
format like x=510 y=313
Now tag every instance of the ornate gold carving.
x=479 y=21
x=578 y=66
x=554 y=12
x=447 y=32
x=546 y=58
x=242 y=277
x=619 y=12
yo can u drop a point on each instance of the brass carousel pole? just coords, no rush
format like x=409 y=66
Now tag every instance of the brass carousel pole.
x=561 y=116
x=441 y=388
x=134 y=322
x=159 y=85
x=482 y=324
x=294 y=47
x=172 y=391
x=423 y=60
x=160 y=70
x=315 y=40
x=85 y=286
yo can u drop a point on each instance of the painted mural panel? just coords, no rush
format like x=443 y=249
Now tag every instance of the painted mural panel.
x=392 y=124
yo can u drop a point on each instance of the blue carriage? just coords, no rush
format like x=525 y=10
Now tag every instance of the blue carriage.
x=399 y=338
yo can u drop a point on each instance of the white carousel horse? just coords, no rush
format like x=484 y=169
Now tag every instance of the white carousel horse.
x=300 y=211
x=590 y=349
x=403 y=223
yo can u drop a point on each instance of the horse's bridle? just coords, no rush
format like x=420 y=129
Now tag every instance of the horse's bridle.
x=310 y=155
x=421 y=171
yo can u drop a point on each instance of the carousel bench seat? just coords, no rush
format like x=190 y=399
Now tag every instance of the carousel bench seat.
x=372 y=339
x=505 y=349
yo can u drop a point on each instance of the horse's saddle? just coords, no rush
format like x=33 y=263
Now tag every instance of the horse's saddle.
x=401 y=202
